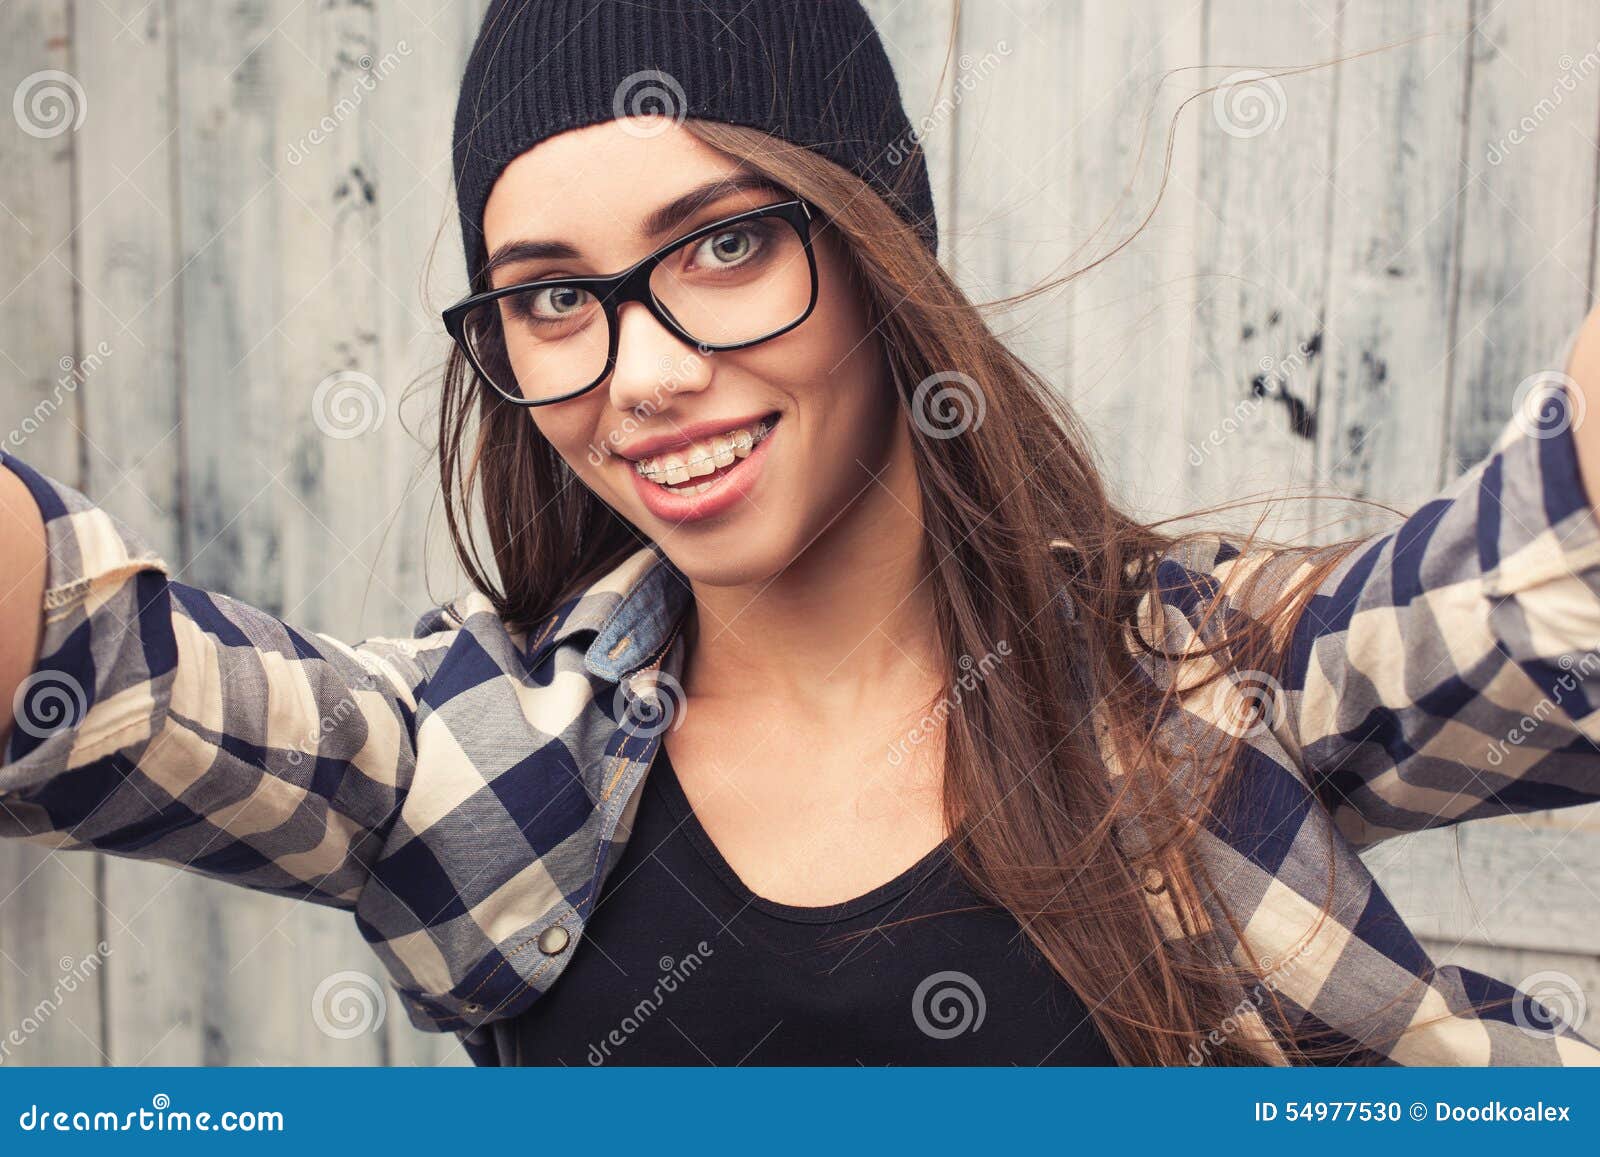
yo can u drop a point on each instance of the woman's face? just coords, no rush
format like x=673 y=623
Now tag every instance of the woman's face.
x=819 y=389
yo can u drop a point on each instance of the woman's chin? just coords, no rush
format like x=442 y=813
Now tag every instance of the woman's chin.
x=708 y=567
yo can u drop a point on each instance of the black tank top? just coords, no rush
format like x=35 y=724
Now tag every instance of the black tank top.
x=681 y=964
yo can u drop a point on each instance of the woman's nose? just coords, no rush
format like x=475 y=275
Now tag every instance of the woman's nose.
x=653 y=363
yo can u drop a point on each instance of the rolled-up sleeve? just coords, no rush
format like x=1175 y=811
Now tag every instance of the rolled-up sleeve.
x=170 y=723
x=1450 y=669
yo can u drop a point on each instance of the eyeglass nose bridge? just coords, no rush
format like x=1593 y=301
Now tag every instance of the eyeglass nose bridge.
x=634 y=285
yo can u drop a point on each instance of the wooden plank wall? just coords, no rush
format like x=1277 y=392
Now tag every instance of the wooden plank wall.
x=1349 y=272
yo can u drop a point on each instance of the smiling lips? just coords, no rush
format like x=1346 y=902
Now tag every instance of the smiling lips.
x=691 y=469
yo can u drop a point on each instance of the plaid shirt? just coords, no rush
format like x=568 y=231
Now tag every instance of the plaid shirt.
x=466 y=791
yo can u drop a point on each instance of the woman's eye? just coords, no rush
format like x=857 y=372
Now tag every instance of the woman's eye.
x=554 y=303
x=730 y=247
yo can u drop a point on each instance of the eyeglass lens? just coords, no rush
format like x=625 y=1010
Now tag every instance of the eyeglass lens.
x=734 y=285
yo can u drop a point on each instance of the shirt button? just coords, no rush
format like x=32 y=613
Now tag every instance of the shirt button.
x=553 y=940
x=1154 y=881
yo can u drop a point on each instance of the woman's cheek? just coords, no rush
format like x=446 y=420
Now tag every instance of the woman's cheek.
x=566 y=435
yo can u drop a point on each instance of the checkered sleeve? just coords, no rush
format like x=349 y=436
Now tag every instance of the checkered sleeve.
x=1450 y=669
x=174 y=724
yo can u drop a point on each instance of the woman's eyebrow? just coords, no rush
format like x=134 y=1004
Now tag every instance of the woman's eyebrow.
x=660 y=221
x=679 y=209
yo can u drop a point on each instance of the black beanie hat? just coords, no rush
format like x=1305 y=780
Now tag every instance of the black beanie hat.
x=813 y=72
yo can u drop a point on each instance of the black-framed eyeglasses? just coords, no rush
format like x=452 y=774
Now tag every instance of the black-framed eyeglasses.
x=541 y=342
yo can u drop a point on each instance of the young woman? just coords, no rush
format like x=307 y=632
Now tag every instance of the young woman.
x=820 y=707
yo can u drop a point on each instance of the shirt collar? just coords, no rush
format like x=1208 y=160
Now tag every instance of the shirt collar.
x=632 y=609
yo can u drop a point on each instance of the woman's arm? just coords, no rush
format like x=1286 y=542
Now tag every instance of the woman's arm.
x=168 y=723
x=1448 y=669
x=1584 y=369
x=21 y=590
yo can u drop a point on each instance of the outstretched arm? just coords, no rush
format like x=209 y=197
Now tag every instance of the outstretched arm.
x=152 y=719
x=1449 y=668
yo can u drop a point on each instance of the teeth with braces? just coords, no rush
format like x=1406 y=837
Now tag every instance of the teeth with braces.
x=675 y=469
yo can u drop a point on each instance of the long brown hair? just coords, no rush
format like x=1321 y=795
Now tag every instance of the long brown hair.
x=1061 y=794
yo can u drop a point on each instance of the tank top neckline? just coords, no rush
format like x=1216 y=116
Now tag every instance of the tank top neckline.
x=665 y=777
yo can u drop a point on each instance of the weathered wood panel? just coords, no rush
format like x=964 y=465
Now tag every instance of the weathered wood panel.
x=1267 y=148
x=1131 y=319
x=1350 y=271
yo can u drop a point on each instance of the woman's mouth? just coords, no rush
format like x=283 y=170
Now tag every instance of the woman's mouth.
x=707 y=476
x=697 y=467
